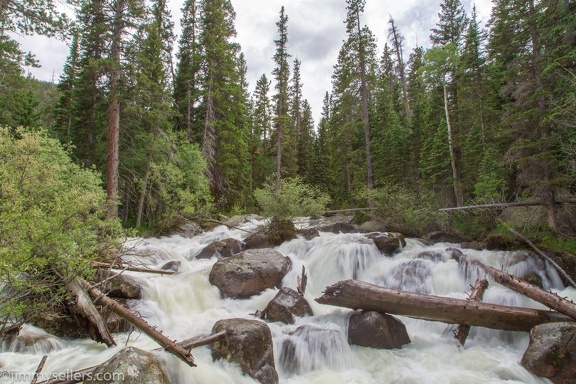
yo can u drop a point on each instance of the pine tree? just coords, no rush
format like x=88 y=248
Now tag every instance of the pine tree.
x=306 y=143
x=65 y=109
x=452 y=23
x=397 y=40
x=262 y=128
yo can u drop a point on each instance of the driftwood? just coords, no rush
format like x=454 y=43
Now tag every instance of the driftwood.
x=83 y=374
x=83 y=306
x=140 y=323
x=39 y=369
x=461 y=333
x=98 y=264
x=502 y=205
x=356 y=294
x=302 y=281
x=539 y=252
x=549 y=299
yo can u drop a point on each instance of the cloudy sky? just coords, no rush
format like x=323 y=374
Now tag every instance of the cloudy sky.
x=316 y=31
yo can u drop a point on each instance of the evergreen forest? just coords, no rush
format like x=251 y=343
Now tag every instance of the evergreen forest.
x=484 y=114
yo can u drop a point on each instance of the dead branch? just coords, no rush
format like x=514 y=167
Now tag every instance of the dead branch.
x=98 y=264
x=462 y=332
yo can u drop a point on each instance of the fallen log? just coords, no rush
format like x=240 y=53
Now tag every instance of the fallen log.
x=356 y=294
x=549 y=299
x=140 y=323
x=83 y=374
x=462 y=332
x=98 y=264
x=83 y=306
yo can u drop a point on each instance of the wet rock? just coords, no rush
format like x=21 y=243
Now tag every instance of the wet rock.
x=533 y=278
x=389 y=242
x=188 y=230
x=30 y=340
x=430 y=255
x=250 y=272
x=340 y=227
x=238 y=220
x=172 y=265
x=286 y=306
x=411 y=276
x=224 y=248
x=308 y=233
x=373 y=226
x=376 y=330
x=119 y=285
x=552 y=352
x=442 y=237
x=249 y=344
x=475 y=245
x=116 y=324
x=276 y=233
x=131 y=366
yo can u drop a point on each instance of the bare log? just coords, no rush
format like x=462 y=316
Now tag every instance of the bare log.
x=502 y=205
x=356 y=294
x=462 y=332
x=83 y=374
x=39 y=369
x=302 y=281
x=549 y=299
x=124 y=267
x=539 y=252
x=141 y=324
x=83 y=306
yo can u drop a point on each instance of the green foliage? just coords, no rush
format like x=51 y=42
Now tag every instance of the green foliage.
x=295 y=198
x=52 y=221
x=405 y=211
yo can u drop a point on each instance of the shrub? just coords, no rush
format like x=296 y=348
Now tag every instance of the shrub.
x=294 y=198
x=52 y=222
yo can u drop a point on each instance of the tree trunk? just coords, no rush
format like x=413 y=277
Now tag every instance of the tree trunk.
x=141 y=324
x=114 y=112
x=549 y=299
x=361 y=295
x=98 y=264
x=83 y=306
x=455 y=174
x=462 y=331
x=143 y=195
x=396 y=40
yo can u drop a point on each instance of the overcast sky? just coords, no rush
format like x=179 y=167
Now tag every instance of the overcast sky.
x=316 y=31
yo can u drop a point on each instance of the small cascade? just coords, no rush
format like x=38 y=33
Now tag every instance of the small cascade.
x=315 y=349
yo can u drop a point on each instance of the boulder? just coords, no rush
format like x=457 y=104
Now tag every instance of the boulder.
x=308 y=233
x=119 y=285
x=376 y=330
x=30 y=339
x=276 y=233
x=551 y=352
x=373 y=226
x=131 y=366
x=442 y=237
x=172 y=265
x=249 y=344
x=238 y=220
x=224 y=248
x=250 y=272
x=431 y=255
x=388 y=242
x=286 y=306
x=340 y=227
x=188 y=230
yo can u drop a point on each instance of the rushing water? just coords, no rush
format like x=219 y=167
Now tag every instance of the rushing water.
x=315 y=349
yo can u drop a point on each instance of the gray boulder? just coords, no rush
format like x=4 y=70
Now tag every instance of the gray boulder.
x=250 y=272
x=224 y=248
x=376 y=330
x=552 y=352
x=249 y=344
x=388 y=242
x=286 y=306
x=131 y=366
x=172 y=265
x=188 y=230
x=119 y=285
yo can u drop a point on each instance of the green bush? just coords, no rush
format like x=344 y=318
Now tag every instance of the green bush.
x=52 y=222
x=404 y=211
x=294 y=199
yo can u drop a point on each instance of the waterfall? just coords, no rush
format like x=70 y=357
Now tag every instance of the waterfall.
x=314 y=349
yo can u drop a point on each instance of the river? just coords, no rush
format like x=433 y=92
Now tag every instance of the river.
x=186 y=304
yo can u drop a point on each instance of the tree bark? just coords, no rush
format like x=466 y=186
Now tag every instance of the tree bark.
x=478 y=289
x=114 y=112
x=455 y=173
x=141 y=324
x=123 y=267
x=143 y=194
x=83 y=374
x=361 y=295
x=549 y=299
x=83 y=306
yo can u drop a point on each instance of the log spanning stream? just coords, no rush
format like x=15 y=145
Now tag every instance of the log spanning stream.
x=186 y=304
